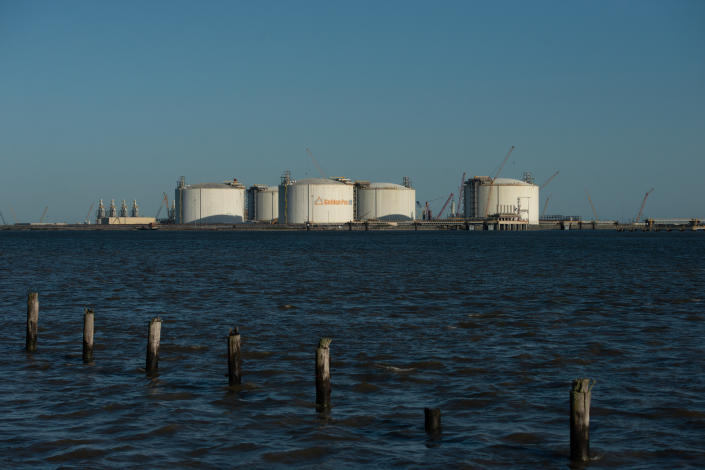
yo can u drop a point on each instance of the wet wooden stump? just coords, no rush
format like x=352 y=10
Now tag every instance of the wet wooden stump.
x=323 y=387
x=234 y=358
x=432 y=420
x=88 y=330
x=155 y=331
x=580 y=395
x=32 y=321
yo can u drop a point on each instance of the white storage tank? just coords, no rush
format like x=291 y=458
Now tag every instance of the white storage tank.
x=210 y=203
x=316 y=200
x=505 y=196
x=385 y=201
x=262 y=203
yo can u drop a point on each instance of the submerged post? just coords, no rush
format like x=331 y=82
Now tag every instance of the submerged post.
x=432 y=420
x=234 y=359
x=323 y=387
x=155 y=331
x=88 y=318
x=580 y=419
x=32 y=321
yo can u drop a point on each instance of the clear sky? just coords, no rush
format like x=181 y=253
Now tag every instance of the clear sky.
x=118 y=99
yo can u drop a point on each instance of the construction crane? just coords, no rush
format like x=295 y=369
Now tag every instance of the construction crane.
x=549 y=180
x=41 y=219
x=3 y=219
x=643 y=202
x=489 y=190
x=88 y=216
x=594 y=212
x=315 y=162
x=545 y=205
x=460 y=190
x=444 y=206
x=164 y=202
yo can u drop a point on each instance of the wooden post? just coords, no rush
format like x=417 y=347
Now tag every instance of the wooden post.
x=234 y=359
x=88 y=317
x=32 y=321
x=323 y=374
x=580 y=420
x=432 y=420
x=155 y=331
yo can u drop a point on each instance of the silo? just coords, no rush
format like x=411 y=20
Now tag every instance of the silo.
x=318 y=200
x=385 y=201
x=262 y=203
x=210 y=203
x=505 y=196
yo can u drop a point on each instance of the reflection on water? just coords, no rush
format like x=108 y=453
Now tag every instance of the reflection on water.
x=489 y=327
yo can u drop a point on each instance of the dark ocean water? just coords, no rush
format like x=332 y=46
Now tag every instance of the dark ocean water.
x=490 y=327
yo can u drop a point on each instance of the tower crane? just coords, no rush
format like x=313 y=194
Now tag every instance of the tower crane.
x=460 y=190
x=315 y=162
x=444 y=206
x=549 y=180
x=643 y=202
x=41 y=219
x=594 y=212
x=489 y=190
x=545 y=205
x=88 y=219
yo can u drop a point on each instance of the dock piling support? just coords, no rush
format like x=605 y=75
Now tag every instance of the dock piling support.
x=432 y=420
x=580 y=396
x=32 y=321
x=323 y=386
x=155 y=331
x=234 y=358
x=88 y=330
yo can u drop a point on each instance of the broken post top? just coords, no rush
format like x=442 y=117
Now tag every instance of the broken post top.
x=582 y=385
x=234 y=331
x=155 y=319
x=324 y=343
x=88 y=310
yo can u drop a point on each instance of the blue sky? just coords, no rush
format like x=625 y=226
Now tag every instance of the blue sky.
x=118 y=99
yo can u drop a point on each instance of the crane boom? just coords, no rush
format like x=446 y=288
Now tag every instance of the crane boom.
x=460 y=190
x=594 y=212
x=88 y=216
x=545 y=205
x=41 y=219
x=3 y=218
x=549 y=180
x=643 y=202
x=444 y=206
x=489 y=190
x=315 y=162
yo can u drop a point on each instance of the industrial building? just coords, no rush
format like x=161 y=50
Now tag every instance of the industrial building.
x=501 y=197
x=262 y=203
x=210 y=203
x=121 y=218
x=316 y=200
x=385 y=201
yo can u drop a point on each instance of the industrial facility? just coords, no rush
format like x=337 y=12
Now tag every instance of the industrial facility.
x=113 y=217
x=210 y=203
x=503 y=198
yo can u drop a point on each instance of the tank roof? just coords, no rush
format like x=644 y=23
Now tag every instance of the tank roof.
x=317 y=181
x=387 y=186
x=503 y=181
x=214 y=186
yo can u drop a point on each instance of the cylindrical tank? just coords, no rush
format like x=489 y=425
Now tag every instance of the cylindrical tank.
x=262 y=203
x=505 y=196
x=385 y=201
x=317 y=200
x=210 y=203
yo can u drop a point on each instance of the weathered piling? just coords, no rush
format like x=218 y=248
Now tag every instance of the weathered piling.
x=323 y=387
x=32 y=321
x=234 y=358
x=155 y=331
x=88 y=320
x=432 y=420
x=580 y=419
